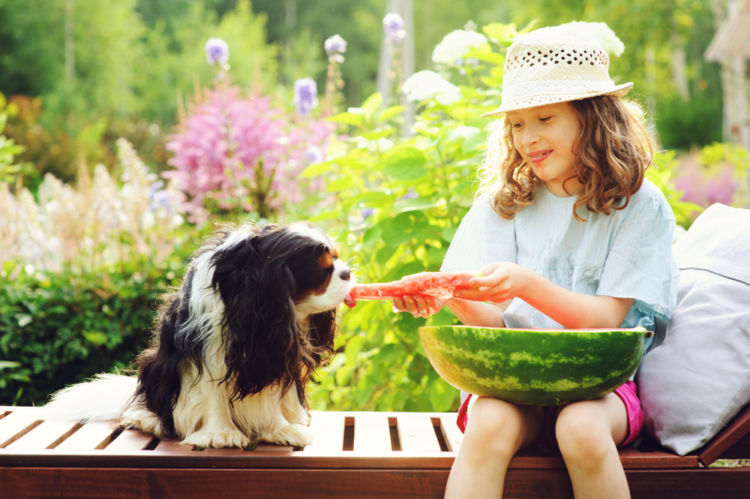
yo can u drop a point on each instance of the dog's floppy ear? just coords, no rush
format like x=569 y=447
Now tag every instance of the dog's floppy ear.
x=259 y=329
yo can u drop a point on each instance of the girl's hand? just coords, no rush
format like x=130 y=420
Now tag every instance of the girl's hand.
x=499 y=282
x=419 y=305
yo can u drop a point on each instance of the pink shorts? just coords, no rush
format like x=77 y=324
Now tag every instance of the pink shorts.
x=628 y=393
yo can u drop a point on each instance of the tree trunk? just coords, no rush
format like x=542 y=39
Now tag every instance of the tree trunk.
x=679 y=73
x=736 y=124
x=390 y=70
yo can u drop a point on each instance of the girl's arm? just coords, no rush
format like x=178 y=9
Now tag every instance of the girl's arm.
x=475 y=313
x=503 y=281
x=469 y=312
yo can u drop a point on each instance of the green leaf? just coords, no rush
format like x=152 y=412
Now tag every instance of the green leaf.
x=405 y=163
x=98 y=338
x=414 y=204
x=371 y=105
x=317 y=169
x=475 y=142
x=347 y=118
x=501 y=33
x=389 y=113
x=340 y=184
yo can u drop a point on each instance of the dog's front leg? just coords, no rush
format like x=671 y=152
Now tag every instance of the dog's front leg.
x=274 y=418
x=203 y=415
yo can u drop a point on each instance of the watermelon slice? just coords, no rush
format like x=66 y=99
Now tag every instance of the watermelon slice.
x=440 y=285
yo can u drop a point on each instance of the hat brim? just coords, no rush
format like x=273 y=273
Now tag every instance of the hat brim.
x=617 y=91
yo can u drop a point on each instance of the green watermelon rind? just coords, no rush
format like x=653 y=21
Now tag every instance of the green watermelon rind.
x=534 y=366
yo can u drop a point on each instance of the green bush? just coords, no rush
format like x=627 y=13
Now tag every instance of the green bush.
x=60 y=328
x=397 y=202
x=683 y=124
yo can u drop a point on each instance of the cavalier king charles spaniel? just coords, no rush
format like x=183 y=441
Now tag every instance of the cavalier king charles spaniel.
x=233 y=347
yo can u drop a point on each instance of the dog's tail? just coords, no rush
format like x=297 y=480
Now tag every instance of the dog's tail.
x=102 y=398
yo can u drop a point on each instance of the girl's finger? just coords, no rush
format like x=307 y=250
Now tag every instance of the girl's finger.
x=422 y=305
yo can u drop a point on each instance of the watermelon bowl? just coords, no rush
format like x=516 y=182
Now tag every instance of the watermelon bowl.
x=534 y=366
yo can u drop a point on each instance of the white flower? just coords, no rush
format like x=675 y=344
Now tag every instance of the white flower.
x=426 y=84
x=599 y=32
x=455 y=45
x=464 y=132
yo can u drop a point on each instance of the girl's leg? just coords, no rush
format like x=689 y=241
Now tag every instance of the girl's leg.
x=588 y=433
x=495 y=431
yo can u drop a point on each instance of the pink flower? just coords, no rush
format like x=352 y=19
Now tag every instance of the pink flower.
x=221 y=143
x=699 y=188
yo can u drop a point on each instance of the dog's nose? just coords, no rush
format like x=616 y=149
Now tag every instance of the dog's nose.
x=345 y=274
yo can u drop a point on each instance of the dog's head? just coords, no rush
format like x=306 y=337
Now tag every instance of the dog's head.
x=278 y=289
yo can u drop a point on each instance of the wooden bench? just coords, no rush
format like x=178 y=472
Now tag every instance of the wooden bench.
x=355 y=454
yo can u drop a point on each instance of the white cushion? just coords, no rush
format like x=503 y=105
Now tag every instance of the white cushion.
x=698 y=378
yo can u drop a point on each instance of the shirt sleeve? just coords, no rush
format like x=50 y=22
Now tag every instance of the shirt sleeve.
x=639 y=264
x=482 y=237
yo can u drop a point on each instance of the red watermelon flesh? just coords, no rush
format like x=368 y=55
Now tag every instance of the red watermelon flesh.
x=439 y=285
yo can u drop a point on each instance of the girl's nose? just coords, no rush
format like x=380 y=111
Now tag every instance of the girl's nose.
x=529 y=135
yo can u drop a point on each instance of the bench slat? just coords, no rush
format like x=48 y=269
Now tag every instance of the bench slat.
x=90 y=436
x=453 y=435
x=328 y=433
x=129 y=440
x=372 y=433
x=15 y=424
x=46 y=435
x=416 y=433
x=172 y=445
x=733 y=433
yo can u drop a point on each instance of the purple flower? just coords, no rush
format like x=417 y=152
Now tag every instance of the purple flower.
x=394 y=28
x=313 y=155
x=410 y=194
x=217 y=51
x=305 y=95
x=335 y=45
x=367 y=212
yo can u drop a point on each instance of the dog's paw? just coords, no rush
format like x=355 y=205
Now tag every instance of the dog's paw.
x=228 y=437
x=299 y=415
x=143 y=419
x=295 y=435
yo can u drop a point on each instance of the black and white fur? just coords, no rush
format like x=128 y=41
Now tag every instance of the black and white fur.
x=234 y=346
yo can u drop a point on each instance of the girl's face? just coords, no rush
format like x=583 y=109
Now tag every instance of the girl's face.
x=544 y=137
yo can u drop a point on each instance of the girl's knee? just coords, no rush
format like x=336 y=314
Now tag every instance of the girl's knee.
x=583 y=432
x=495 y=426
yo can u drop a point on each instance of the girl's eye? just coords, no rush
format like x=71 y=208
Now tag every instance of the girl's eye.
x=516 y=125
x=545 y=119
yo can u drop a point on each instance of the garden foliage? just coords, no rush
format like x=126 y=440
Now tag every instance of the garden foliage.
x=83 y=269
x=59 y=328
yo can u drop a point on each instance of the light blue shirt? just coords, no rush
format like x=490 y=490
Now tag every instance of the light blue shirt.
x=626 y=254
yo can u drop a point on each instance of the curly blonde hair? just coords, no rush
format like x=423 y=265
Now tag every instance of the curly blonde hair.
x=613 y=150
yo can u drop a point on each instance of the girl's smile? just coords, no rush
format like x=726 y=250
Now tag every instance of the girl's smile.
x=538 y=157
x=544 y=136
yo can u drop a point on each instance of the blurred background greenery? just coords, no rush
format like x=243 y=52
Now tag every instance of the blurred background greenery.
x=107 y=106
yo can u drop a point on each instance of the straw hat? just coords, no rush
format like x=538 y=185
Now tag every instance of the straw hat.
x=559 y=64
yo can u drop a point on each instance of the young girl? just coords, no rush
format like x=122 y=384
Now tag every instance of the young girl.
x=567 y=233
